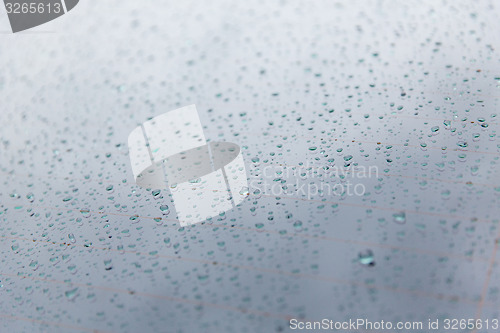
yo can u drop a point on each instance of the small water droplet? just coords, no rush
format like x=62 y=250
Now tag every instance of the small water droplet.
x=366 y=258
x=400 y=217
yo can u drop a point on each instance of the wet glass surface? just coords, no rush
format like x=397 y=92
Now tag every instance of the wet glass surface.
x=368 y=132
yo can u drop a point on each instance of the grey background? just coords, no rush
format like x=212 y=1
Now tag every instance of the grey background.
x=264 y=75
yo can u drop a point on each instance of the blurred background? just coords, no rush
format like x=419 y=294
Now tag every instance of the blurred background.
x=411 y=88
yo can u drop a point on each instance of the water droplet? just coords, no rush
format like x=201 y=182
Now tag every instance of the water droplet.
x=71 y=294
x=400 y=217
x=85 y=212
x=244 y=191
x=107 y=265
x=366 y=258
